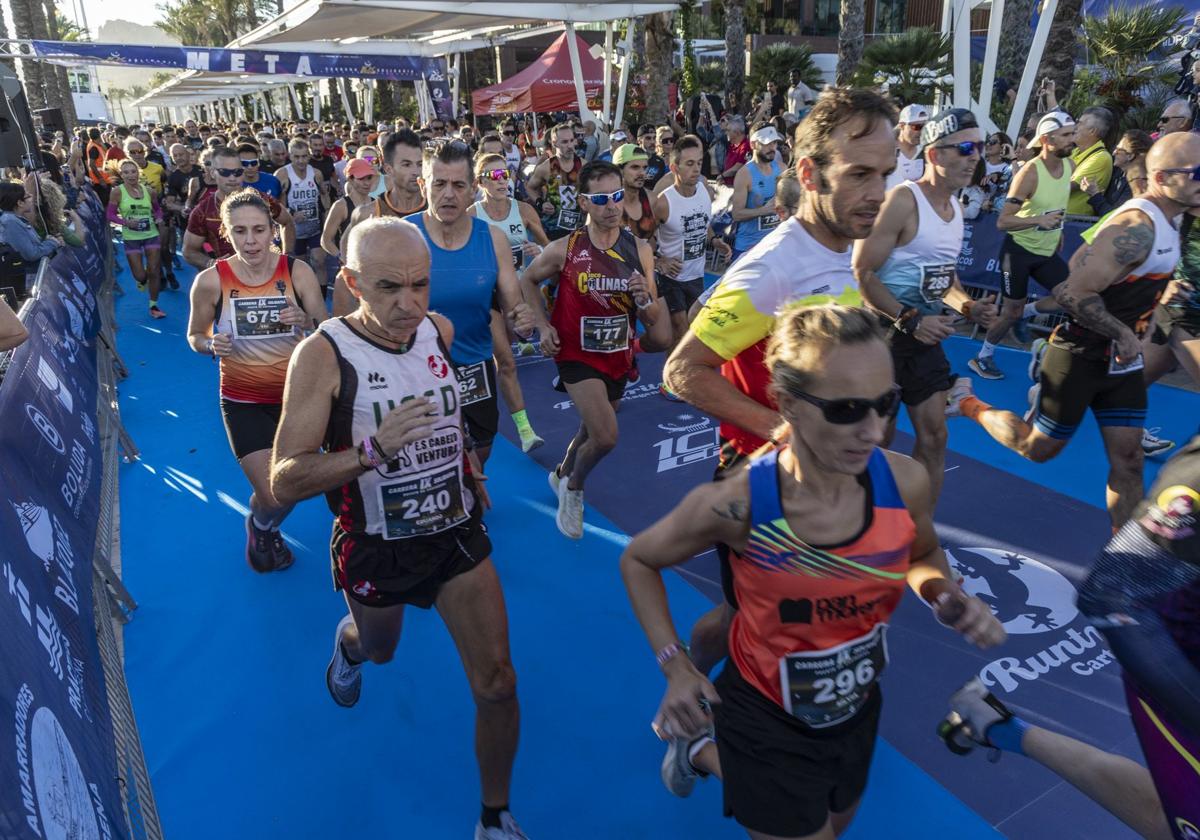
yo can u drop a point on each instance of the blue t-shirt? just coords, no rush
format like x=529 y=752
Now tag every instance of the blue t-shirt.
x=461 y=284
x=266 y=184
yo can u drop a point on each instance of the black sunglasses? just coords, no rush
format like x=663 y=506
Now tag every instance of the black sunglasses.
x=230 y=173
x=847 y=411
x=965 y=148
x=1193 y=172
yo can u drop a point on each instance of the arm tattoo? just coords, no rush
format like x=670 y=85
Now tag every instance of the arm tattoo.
x=1088 y=309
x=1132 y=246
x=737 y=510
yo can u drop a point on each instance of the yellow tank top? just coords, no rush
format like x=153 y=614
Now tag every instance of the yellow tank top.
x=1051 y=195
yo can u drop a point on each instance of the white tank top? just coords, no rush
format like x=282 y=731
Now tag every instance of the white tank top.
x=1164 y=254
x=920 y=272
x=511 y=226
x=303 y=198
x=421 y=490
x=684 y=235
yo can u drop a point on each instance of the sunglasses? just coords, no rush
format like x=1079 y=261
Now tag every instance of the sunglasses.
x=1193 y=172
x=510 y=134
x=230 y=173
x=495 y=175
x=853 y=410
x=965 y=148
x=601 y=199
x=250 y=163
x=137 y=151
x=993 y=141
x=667 y=141
x=370 y=159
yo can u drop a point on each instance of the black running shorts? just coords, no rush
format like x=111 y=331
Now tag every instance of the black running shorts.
x=250 y=426
x=1169 y=318
x=1017 y=265
x=383 y=573
x=477 y=383
x=1071 y=384
x=572 y=373
x=780 y=776
x=679 y=294
x=922 y=370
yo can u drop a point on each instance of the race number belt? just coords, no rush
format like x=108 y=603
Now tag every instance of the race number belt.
x=768 y=222
x=826 y=687
x=258 y=317
x=423 y=504
x=473 y=385
x=604 y=333
x=936 y=281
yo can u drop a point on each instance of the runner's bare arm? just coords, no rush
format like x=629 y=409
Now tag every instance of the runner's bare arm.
x=533 y=224
x=512 y=300
x=693 y=372
x=205 y=294
x=895 y=226
x=12 y=331
x=287 y=229
x=655 y=317
x=536 y=183
x=322 y=193
x=333 y=221
x=741 y=196
x=929 y=574
x=1022 y=189
x=308 y=291
x=193 y=250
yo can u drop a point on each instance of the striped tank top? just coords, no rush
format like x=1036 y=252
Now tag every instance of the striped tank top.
x=262 y=346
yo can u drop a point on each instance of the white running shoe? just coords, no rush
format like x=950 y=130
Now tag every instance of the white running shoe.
x=554 y=478
x=678 y=774
x=959 y=391
x=1154 y=445
x=1038 y=351
x=570 y=511
x=508 y=830
x=528 y=444
x=978 y=710
x=1033 y=395
x=343 y=680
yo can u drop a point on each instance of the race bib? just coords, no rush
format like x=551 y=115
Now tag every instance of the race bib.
x=826 y=687
x=693 y=247
x=936 y=281
x=422 y=504
x=604 y=334
x=258 y=317
x=568 y=219
x=473 y=385
x=768 y=222
x=1115 y=368
x=518 y=257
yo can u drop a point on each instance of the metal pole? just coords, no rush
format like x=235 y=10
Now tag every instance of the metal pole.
x=623 y=84
x=989 y=57
x=606 y=108
x=577 y=70
x=1032 y=62
x=962 y=53
x=499 y=71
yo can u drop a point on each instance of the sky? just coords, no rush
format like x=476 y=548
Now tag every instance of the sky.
x=100 y=11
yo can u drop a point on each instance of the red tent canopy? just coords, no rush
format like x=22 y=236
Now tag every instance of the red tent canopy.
x=546 y=85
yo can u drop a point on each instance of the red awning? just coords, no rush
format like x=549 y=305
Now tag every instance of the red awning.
x=546 y=85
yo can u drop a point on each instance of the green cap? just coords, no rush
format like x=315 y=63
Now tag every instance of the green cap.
x=628 y=152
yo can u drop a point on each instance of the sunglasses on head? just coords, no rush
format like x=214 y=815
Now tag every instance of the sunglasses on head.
x=601 y=199
x=250 y=163
x=965 y=148
x=854 y=410
x=230 y=173
x=1193 y=172
x=495 y=175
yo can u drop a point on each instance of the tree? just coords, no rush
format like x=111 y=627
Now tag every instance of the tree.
x=689 y=82
x=735 y=53
x=212 y=23
x=1016 y=35
x=852 y=20
x=1119 y=45
x=910 y=64
x=29 y=21
x=1062 y=45
x=660 y=49
x=59 y=28
x=776 y=62
x=116 y=98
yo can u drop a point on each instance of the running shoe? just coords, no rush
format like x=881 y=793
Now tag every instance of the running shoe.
x=1154 y=445
x=554 y=478
x=343 y=680
x=141 y=285
x=172 y=282
x=258 y=547
x=530 y=442
x=973 y=711
x=508 y=830
x=281 y=555
x=959 y=391
x=668 y=393
x=678 y=774
x=986 y=367
x=1020 y=330
x=1037 y=351
x=526 y=348
x=1033 y=395
x=570 y=511
x=155 y=312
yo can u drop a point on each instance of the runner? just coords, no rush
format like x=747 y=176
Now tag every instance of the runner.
x=305 y=197
x=1144 y=594
x=174 y=202
x=407 y=528
x=907 y=270
x=554 y=183
x=471 y=264
x=637 y=207
x=361 y=178
x=603 y=276
x=684 y=215
x=254 y=176
x=844 y=150
x=204 y=242
x=910 y=163
x=134 y=206
x=522 y=230
x=1032 y=219
x=828 y=518
x=1094 y=359
x=248 y=311
x=753 y=206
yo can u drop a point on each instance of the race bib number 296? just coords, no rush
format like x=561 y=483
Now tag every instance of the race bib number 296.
x=826 y=687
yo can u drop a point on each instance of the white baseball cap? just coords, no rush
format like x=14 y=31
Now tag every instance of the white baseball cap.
x=766 y=134
x=914 y=114
x=1047 y=125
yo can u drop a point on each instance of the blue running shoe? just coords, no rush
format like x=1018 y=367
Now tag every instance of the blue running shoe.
x=986 y=367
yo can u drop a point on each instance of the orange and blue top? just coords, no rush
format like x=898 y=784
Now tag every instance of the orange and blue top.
x=794 y=597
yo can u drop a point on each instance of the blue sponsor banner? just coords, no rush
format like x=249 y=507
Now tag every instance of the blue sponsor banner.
x=59 y=757
x=979 y=260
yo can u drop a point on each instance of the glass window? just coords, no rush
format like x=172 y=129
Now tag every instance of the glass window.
x=889 y=16
x=825 y=19
x=80 y=82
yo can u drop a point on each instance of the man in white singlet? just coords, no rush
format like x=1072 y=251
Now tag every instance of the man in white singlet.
x=302 y=189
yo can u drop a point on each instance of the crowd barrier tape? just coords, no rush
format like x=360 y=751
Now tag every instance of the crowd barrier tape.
x=62 y=770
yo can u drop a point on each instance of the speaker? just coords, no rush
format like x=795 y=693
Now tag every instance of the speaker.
x=18 y=142
x=50 y=119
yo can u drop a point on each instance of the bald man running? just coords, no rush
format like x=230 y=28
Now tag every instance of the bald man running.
x=1094 y=359
x=371 y=418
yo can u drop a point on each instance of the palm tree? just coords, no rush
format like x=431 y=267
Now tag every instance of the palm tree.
x=852 y=21
x=116 y=98
x=660 y=48
x=735 y=52
x=1062 y=45
x=212 y=22
x=57 y=75
x=910 y=63
x=24 y=13
x=1120 y=44
x=1016 y=35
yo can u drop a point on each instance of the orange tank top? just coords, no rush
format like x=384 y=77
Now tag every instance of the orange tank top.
x=810 y=628
x=262 y=346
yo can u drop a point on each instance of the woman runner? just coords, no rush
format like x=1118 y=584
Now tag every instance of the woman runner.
x=134 y=206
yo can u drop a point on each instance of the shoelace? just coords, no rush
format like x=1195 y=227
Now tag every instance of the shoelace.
x=1152 y=434
x=277 y=544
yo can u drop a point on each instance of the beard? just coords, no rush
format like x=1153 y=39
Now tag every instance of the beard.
x=1064 y=153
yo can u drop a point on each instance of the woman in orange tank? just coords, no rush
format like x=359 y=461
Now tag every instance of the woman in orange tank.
x=825 y=531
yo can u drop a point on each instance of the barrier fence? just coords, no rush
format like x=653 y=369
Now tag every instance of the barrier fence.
x=78 y=767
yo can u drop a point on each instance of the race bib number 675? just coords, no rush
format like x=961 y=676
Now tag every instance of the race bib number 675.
x=258 y=317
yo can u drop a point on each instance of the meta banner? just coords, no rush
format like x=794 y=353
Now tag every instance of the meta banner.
x=59 y=756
